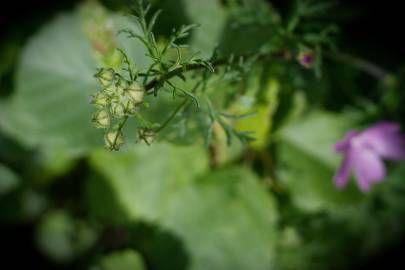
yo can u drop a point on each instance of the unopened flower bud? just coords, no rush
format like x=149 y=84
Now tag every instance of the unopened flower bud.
x=100 y=100
x=110 y=90
x=136 y=93
x=114 y=140
x=101 y=119
x=306 y=58
x=121 y=86
x=130 y=107
x=117 y=109
x=105 y=77
x=147 y=135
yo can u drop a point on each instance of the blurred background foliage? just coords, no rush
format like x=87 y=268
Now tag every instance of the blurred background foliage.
x=66 y=203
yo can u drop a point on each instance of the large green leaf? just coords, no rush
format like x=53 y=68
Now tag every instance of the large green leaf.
x=51 y=106
x=309 y=162
x=211 y=17
x=53 y=85
x=252 y=26
x=143 y=178
x=225 y=219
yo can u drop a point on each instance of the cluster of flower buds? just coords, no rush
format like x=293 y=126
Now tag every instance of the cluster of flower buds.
x=117 y=99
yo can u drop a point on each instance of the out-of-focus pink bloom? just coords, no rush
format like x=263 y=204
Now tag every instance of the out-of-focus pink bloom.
x=364 y=153
x=306 y=58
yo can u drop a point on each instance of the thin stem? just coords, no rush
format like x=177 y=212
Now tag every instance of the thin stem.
x=119 y=129
x=369 y=68
x=152 y=84
x=172 y=116
x=128 y=63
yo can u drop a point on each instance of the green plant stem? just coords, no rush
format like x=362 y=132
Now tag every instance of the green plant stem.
x=171 y=117
x=367 y=67
x=152 y=84
x=119 y=129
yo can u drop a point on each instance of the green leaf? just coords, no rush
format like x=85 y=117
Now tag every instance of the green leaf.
x=208 y=14
x=260 y=123
x=225 y=219
x=122 y=260
x=250 y=28
x=8 y=180
x=53 y=87
x=143 y=176
x=211 y=17
x=51 y=106
x=309 y=162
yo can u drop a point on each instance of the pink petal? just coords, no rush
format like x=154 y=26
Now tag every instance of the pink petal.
x=343 y=145
x=386 y=140
x=368 y=167
x=342 y=175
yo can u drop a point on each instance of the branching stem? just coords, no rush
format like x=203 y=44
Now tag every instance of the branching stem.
x=195 y=66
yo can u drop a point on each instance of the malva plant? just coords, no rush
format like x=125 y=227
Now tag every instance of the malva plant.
x=213 y=135
x=123 y=94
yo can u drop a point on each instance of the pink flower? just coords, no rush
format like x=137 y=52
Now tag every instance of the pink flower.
x=306 y=58
x=364 y=153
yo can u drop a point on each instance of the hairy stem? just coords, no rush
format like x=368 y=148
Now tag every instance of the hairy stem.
x=152 y=84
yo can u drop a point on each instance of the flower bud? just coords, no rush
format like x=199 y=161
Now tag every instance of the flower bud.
x=130 y=107
x=117 y=109
x=101 y=119
x=105 y=77
x=121 y=86
x=136 y=93
x=147 y=135
x=306 y=58
x=110 y=90
x=100 y=100
x=114 y=140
